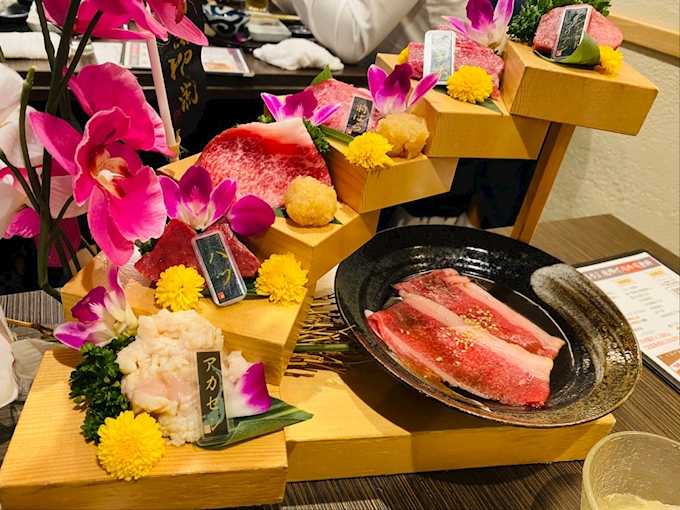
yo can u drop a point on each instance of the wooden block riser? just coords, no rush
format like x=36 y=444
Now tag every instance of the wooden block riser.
x=534 y=87
x=463 y=130
x=406 y=180
x=50 y=466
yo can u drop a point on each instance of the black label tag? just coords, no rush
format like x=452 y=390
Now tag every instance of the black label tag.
x=359 y=116
x=214 y=421
x=573 y=26
x=219 y=269
x=185 y=80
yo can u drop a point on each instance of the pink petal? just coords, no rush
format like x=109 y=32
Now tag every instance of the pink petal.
x=503 y=11
x=195 y=187
x=10 y=141
x=136 y=10
x=55 y=11
x=105 y=232
x=141 y=213
x=115 y=286
x=376 y=80
x=91 y=307
x=250 y=216
x=301 y=104
x=120 y=150
x=171 y=196
x=62 y=147
x=462 y=26
x=423 y=87
x=26 y=223
x=11 y=200
x=121 y=34
x=324 y=113
x=395 y=89
x=480 y=14
x=184 y=29
x=249 y=396
x=273 y=104
x=72 y=231
x=76 y=334
x=101 y=87
x=221 y=198
x=61 y=191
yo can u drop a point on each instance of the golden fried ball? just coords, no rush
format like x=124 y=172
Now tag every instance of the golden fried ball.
x=309 y=202
x=406 y=132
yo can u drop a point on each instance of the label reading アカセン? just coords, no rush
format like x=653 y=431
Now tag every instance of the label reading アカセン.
x=359 y=116
x=214 y=422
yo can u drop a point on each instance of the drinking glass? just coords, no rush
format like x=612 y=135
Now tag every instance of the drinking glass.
x=630 y=470
x=257 y=5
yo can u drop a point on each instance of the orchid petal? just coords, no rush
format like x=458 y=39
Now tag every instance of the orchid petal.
x=141 y=213
x=301 y=104
x=11 y=200
x=91 y=307
x=184 y=29
x=249 y=395
x=28 y=354
x=134 y=9
x=273 y=104
x=171 y=196
x=101 y=87
x=324 y=113
x=250 y=216
x=61 y=191
x=462 y=26
x=423 y=87
x=10 y=142
x=62 y=147
x=480 y=13
x=105 y=232
x=26 y=223
x=71 y=228
x=395 y=89
x=194 y=188
x=503 y=12
x=221 y=198
x=10 y=91
x=76 y=334
x=376 y=78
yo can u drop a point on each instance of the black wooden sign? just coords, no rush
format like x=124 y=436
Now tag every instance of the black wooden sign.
x=185 y=79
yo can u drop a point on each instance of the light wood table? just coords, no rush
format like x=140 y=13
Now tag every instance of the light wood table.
x=653 y=407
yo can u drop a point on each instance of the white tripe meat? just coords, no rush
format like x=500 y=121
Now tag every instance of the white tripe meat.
x=159 y=370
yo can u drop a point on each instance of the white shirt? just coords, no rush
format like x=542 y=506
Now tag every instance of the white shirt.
x=353 y=29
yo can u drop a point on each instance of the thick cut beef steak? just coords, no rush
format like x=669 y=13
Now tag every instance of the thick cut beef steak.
x=336 y=92
x=263 y=159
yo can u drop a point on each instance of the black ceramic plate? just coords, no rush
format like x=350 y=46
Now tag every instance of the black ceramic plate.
x=595 y=371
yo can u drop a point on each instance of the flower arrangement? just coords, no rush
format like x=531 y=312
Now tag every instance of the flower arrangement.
x=484 y=24
x=470 y=84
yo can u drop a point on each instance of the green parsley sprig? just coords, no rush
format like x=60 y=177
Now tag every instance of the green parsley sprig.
x=523 y=26
x=95 y=383
x=315 y=132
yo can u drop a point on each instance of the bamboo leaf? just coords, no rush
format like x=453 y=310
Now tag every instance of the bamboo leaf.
x=489 y=104
x=323 y=76
x=280 y=415
x=280 y=212
x=336 y=135
x=587 y=54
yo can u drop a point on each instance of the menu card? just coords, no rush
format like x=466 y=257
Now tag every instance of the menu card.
x=648 y=294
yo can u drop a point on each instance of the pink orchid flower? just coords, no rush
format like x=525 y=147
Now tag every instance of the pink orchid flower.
x=303 y=104
x=102 y=317
x=390 y=92
x=10 y=99
x=485 y=24
x=194 y=201
x=117 y=13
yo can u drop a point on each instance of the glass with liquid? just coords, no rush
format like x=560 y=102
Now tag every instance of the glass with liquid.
x=257 y=5
x=632 y=471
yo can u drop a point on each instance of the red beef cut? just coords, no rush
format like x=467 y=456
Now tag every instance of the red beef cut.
x=599 y=28
x=174 y=248
x=247 y=263
x=332 y=92
x=263 y=159
x=416 y=57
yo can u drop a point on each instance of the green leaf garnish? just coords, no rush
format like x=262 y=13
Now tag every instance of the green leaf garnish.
x=491 y=105
x=336 y=135
x=280 y=415
x=280 y=212
x=323 y=76
x=587 y=54
x=318 y=137
x=265 y=119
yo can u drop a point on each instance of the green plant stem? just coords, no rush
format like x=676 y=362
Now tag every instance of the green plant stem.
x=49 y=47
x=322 y=348
x=25 y=92
x=79 y=53
x=19 y=177
x=71 y=250
x=87 y=246
x=43 y=254
x=59 y=246
x=62 y=56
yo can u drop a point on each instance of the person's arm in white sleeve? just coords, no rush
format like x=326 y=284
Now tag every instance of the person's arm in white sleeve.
x=352 y=28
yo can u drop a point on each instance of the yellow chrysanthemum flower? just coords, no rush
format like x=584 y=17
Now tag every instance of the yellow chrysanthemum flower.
x=610 y=60
x=282 y=279
x=369 y=151
x=130 y=446
x=402 y=58
x=179 y=288
x=470 y=83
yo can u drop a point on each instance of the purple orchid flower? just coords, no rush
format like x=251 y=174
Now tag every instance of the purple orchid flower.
x=303 y=104
x=245 y=388
x=102 y=316
x=390 y=92
x=194 y=201
x=484 y=24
